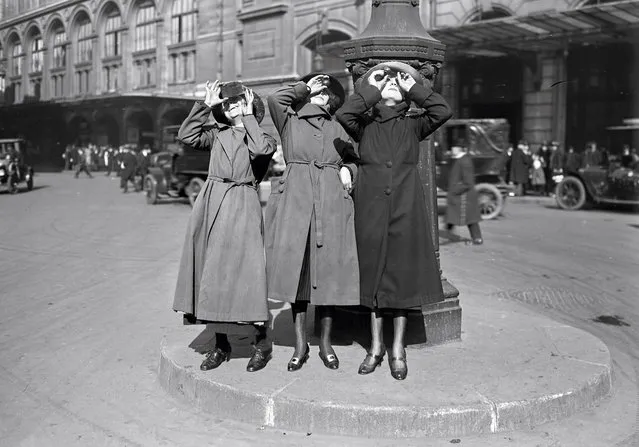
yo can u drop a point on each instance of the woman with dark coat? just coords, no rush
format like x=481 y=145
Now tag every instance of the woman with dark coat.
x=462 y=206
x=311 y=251
x=222 y=275
x=398 y=267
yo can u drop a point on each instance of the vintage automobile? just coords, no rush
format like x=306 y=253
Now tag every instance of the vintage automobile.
x=13 y=169
x=177 y=171
x=612 y=183
x=487 y=141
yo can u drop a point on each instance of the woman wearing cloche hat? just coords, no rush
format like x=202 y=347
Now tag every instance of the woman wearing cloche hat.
x=398 y=267
x=311 y=255
x=222 y=275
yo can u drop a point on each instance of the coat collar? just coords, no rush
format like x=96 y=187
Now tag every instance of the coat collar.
x=226 y=134
x=384 y=113
x=310 y=110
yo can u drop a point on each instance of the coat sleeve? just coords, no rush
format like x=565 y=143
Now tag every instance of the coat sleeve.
x=280 y=101
x=192 y=131
x=259 y=142
x=346 y=149
x=437 y=109
x=350 y=114
x=467 y=180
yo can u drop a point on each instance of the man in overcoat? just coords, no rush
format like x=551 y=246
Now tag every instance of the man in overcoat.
x=520 y=167
x=310 y=242
x=130 y=162
x=398 y=267
x=462 y=198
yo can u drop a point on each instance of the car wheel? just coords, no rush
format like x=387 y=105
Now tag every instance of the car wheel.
x=570 y=194
x=151 y=190
x=490 y=200
x=193 y=189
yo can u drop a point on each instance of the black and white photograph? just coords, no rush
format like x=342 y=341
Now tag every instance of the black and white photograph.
x=309 y=223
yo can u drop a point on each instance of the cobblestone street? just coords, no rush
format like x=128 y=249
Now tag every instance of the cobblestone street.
x=87 y=282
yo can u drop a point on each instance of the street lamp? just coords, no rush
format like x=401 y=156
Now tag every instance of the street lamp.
x=395 y=33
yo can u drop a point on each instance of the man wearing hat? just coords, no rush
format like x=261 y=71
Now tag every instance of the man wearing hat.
x=222 y=276
x=398 y=267
x=310 y=236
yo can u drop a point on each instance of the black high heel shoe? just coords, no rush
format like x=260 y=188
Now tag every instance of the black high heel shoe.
x=399 y=372
x=371 y=362
x=330 y=360
x=297 y=362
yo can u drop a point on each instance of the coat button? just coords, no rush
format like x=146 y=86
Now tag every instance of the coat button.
x=387 y=191
x=389 y=164
x=281 y=188
x=282 y=181
x=345 y=194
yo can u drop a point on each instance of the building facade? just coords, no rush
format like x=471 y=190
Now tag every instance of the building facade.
x=120 y=71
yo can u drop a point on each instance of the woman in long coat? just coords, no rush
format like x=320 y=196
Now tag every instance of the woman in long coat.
x=519 y=167
x=222 y=276
x=462 y=206
x=398 y=267
x=310 y=236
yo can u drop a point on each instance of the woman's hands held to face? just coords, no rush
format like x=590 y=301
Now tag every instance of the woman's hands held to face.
x=317 y=83
x=378 y=78
x=247 y=107
x=213 y=94
x=405 y=81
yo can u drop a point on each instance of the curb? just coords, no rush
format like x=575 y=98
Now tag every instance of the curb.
x=279 y=407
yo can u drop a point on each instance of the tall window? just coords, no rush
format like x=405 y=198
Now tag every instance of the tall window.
x=17 y=59
x=60 y=49
x=85 y=44
x=2 y=85
x=37 y=55
x=145 y=38
x=183 y=21
x=112 y=36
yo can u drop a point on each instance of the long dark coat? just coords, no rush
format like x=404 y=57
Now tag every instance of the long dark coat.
x=398 y=268
x=462 y=206
x=222 y=274
x=310 y=202
x=519 y=167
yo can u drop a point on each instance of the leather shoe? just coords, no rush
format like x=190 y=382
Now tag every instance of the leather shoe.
x=399 y=367
x=330 y=360
x=371 y=362
x=214 y=359
x=477 y=241
x=259 y=360
x=296 y=363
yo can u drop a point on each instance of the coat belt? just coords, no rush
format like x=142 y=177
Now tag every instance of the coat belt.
x=234 y=182
x=315 y=167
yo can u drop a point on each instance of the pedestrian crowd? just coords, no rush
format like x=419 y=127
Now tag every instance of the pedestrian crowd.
x=341 y=227
x=532 y=171
x=128 y=161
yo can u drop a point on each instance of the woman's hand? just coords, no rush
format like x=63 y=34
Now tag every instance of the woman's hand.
x=317 y=83
x=213 y=94
x=345 y=177
x=378 y=78
x=247 y=107
x=405 y=81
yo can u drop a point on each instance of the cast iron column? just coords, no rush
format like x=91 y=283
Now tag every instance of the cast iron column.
x=395 y=33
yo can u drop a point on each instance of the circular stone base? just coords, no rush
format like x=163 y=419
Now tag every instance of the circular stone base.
x=510 y=371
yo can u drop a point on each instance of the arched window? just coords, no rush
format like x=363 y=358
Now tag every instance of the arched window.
x=37 y=54
x=183 y=29
x=60 y=49
x=112 y=42
x=183 y=21
x=145 y=38
x=17 y=59
x=85 y=43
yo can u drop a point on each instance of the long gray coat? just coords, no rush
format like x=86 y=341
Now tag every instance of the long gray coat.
x=309 y=201
x=222 y=274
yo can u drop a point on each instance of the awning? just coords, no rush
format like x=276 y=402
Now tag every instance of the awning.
x=597 y=24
